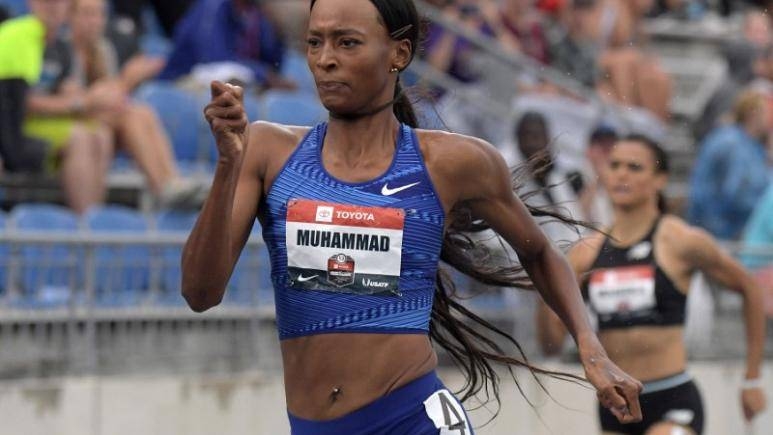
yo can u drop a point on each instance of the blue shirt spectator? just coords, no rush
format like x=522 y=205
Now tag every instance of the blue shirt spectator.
x=225 y=31
x=729 y=178
x=759 y=233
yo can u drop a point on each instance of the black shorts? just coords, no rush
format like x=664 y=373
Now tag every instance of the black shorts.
x=675 y=399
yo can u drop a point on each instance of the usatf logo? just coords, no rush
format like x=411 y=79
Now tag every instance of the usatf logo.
x=324 y=213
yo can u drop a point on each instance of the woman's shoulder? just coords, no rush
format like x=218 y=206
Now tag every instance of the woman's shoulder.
x=274 y=134
x=681 y=237
x=584 y=252
x=272 y=144
x=673 y=227
x=454 y=151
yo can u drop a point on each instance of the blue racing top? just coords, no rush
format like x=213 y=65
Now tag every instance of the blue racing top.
x=353 y=257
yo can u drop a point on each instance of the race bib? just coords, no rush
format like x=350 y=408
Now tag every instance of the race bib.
x=344 y=248
x=622 y=290
x=447 y=414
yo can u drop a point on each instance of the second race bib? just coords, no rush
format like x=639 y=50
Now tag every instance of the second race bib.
x=622 y=290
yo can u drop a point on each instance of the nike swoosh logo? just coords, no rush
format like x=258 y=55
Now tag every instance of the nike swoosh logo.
x=302 y=278
x=386 y=191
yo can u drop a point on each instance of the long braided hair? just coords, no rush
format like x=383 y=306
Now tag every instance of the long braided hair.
x=471 y=341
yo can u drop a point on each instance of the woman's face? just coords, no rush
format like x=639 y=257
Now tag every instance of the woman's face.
x=89 y=19
x=350 y=55
x=631 y=177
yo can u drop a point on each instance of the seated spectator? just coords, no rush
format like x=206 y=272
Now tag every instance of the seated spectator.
x=169 y=12
x=446 y=51
x=135 y=126
x=763 y=78
x=228 y=31
x=631 y=75
x=522 y=22
x=747 y=59
x=731 y=171
x=617 y=23
x=459 y=59
x=77 y=149
x=573 y=50
x=757 y=28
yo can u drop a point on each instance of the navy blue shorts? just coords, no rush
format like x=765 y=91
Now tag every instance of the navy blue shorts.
x=675 y=400
x=422 y=407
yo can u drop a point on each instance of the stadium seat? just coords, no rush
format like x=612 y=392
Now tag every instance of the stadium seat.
x=15 y=7
x=180 y=114
x=250 y=282
x=48 y=272
x=293 y=108
x=295 y=68
x=173 y=222
x=122 y=272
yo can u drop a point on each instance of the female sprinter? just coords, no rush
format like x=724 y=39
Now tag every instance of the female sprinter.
x=636 y=281
x=356 y=214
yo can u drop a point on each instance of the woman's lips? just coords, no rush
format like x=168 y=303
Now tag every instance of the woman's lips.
x=330 y=86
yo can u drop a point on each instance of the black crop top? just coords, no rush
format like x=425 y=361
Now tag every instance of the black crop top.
x=627 y=288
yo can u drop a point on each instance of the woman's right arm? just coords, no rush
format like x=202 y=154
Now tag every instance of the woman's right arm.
x=226 y=219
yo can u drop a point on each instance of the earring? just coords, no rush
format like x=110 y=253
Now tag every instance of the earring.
x=394 y=69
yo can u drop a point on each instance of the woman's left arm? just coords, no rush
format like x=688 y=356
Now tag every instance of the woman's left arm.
x=701 y=252
x=488 y=192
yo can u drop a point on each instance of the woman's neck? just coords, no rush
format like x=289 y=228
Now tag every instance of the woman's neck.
x=362 y=139
x=631 y=224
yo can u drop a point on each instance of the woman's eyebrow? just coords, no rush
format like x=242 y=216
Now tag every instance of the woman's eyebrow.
x=337 y=32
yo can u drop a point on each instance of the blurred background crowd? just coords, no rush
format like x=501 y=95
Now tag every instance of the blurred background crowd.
x=101 y=100
x=101 y=131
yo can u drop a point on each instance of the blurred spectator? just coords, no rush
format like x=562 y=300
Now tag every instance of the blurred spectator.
x=731 y=171
x=77 y=149
x=169 y=12
x=574 y=51
x=618 y=23
x=233 y=33
x=763 y=81
x=135 y=126
x=514 y=25
x=459 y=59
x=522 y=22
x=747 y=57
x=550 y=186
x=631 y=76
x=448 y=52
x=4 y=14
x=759 y=233
x=594 y=199
x=757 y=28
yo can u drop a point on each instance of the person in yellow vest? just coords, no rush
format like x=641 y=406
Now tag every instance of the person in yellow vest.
x=44 y=132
